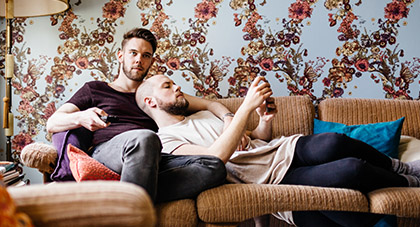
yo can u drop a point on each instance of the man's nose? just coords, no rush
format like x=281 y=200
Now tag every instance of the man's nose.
x=138 y=59
x=177 y=88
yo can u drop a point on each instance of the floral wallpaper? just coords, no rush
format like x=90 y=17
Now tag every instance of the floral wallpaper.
x=215 y=48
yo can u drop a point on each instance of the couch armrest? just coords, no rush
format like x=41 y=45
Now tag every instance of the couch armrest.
x=402 y=202
x=90 y=203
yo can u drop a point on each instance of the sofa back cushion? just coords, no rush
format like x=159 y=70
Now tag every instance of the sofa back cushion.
x=353 y=111
x=295 y=115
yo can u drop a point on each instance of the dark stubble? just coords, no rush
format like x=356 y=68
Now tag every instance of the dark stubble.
x=134 y=76
x=178 y=108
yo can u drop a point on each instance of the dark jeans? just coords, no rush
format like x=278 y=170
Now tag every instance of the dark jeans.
x=336 y=160
x=136 y=156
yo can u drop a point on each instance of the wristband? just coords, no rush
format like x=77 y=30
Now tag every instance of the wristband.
x=228 y=115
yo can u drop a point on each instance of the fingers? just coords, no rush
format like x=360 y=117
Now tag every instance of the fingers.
x=100 y=112
x=264 y=87
x=243 y=143
x=91 y=119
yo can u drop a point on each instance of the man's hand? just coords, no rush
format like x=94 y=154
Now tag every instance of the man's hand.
x=90 y=119
x=258 y=92
x=267 y=110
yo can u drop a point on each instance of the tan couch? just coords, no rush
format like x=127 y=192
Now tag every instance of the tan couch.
x=231 y=204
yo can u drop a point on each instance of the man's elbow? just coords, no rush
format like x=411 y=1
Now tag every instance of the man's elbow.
x=49 y=127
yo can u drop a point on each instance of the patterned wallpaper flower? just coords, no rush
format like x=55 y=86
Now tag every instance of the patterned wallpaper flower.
x=271 y=39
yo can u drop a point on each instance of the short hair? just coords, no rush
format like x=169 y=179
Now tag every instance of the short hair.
x=140 y=33
x=145 y=89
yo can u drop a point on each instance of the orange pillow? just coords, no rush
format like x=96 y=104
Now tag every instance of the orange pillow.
x=83 y=167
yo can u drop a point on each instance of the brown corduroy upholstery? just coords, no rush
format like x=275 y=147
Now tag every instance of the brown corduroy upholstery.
x=239 y=202
x=91 y=203
x=403 y=202
x=177 y=213
x=295 y=115
x=364 y=111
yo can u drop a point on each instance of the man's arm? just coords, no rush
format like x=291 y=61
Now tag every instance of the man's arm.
x=228 y=141
x=68 y=116
x=197 y=104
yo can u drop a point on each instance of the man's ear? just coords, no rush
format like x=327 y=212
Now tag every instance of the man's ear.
x=120 y=56
x=150 y=101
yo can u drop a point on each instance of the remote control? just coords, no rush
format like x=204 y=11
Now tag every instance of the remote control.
x=109 y=118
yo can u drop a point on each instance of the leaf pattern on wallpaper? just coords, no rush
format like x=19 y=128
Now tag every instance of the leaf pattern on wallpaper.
x=376 y=53
x=279 y=51
x=186 y=51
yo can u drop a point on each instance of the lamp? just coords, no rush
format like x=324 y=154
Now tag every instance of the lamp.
x=20 y=8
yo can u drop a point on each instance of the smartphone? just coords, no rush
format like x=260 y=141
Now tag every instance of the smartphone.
x=268 y=103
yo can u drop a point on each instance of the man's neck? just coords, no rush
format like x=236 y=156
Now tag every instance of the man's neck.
x=164 y=119
x=123 y=84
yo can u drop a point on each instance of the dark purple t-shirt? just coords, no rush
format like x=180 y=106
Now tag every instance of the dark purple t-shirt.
x=123 y=105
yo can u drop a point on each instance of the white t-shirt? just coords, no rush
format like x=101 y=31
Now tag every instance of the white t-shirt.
x=261 y=163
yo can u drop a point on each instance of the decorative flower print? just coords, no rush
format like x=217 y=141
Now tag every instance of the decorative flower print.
x=173 y=63
x=82 y=63
x=205 y=10
x=362 y=65
x=267 y=64
x=113 y=10
x=396 y=10
x=21 y=140
x=300 y=10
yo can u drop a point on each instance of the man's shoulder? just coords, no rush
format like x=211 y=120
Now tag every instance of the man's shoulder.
x=96 y=83
x=206 y=114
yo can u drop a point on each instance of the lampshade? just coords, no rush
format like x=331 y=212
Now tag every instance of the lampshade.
x=35 y=8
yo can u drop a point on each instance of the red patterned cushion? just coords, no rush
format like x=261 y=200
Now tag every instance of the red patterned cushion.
x=83 y=167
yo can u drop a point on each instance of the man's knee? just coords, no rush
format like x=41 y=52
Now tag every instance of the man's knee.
x=211 y=168
x=143 y=142
x=352 y=168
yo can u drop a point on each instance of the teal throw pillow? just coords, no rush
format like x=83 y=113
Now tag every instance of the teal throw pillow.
x=384 y=136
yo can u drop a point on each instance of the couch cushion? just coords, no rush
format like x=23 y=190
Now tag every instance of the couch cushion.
x=84 y=167
x=384 y=136
x=409 y=149
x=364 y=111
x=239 y=202
x=177 y=213
x=295 y=115
x=91 y=203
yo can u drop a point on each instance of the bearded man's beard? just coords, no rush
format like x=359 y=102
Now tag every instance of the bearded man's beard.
x=178 y=108
x=134 y=76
